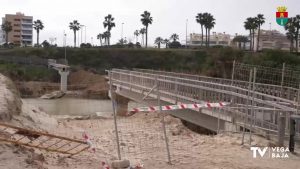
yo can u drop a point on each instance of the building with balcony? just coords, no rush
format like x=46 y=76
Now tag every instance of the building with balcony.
x=271 y=39
x=216 y=39
x=22 y=31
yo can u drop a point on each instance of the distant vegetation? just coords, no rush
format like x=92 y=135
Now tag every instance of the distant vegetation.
x=28 y=72
x=215 y=62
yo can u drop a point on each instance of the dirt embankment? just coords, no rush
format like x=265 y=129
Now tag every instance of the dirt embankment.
x=10 y=102
x=13 y=111
x=91 y=84
x=87 y=83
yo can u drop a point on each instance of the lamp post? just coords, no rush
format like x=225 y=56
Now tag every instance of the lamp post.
x=186 y=27
x=65 y=44
x=85 y=34
x=122 y=31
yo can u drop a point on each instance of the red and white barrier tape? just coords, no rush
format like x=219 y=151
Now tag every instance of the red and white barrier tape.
x=87 y=139
x=104 y=165
x=179 y=106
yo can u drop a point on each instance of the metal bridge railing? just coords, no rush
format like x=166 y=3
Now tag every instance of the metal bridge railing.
x=289 y=93
x=188 y=90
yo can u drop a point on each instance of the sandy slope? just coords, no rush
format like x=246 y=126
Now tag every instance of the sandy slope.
x=188 y=149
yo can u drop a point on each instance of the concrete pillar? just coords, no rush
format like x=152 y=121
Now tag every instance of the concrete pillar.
x=122 y=105
x=281 y=129
x=64 y=79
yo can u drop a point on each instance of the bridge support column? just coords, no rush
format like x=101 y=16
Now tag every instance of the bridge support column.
x=122 y=105
x=281 y=129
x=63 y=79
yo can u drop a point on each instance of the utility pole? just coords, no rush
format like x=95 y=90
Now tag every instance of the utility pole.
x=122 y=31
x=65 y=44
x=85 y=34
x=186 y=27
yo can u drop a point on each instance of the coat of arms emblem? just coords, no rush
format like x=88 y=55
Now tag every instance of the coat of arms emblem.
x=282 y=16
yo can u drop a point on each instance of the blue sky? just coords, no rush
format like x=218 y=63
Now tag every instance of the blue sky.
x=169 y=15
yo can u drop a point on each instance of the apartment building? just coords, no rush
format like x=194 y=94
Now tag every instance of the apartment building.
x=22 y=30
x=2 y=38
x=271 y=39
x=222 y=39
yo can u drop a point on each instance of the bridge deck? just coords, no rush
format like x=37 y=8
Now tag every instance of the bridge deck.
x=259 y=107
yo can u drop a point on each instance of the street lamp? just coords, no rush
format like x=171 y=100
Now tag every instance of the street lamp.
x=186 y=27
x=85 y=34
x=65 y=44
x=122 y=31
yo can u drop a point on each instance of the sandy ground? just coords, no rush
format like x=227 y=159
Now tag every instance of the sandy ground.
x=141 y=141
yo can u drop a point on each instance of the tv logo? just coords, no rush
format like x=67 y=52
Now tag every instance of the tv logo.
x=271 y=152
x=260 y=151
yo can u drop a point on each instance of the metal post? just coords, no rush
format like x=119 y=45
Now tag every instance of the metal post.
x=282 y=78
x=298 y=99
x=247 y=109
x=122 y=32
x=252 y=105
x=176 y=91
x=85 y=34
x=219 y=114
x=186 y=27
x=292 y=134
x=163 y=120
x=65 y=35
x=232 y=78
x=232 y=73
x=281 y=129
x=115 y=115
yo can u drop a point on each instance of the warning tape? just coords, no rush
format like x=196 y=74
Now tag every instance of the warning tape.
x=178 y=107
x=87 y=139
x=104 y=165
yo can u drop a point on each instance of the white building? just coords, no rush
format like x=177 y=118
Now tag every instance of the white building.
x=271 y=39
x=2 y=37
x=215 y=39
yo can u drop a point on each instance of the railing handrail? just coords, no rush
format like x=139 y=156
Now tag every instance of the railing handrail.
x=230 y=92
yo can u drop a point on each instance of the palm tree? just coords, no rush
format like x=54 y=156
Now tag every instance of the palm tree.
x=106 y=35
x=6 y=27
x=209 y=24
x=100 y=37
x=75 y=26
x=122 y=41
x=200 y=20
x=174 y=37
x=38 y=25
x=143 y=31
x=158 y=41
x=250 y=25
x=292 y=27
x=297 y=27
x=240 y=39
x=136 y=34
x=109 y=23
x=166 y=42
x=146 y=20
x=259 y=20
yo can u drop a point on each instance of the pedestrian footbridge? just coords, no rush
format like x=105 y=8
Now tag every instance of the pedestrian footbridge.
x=254 y=107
